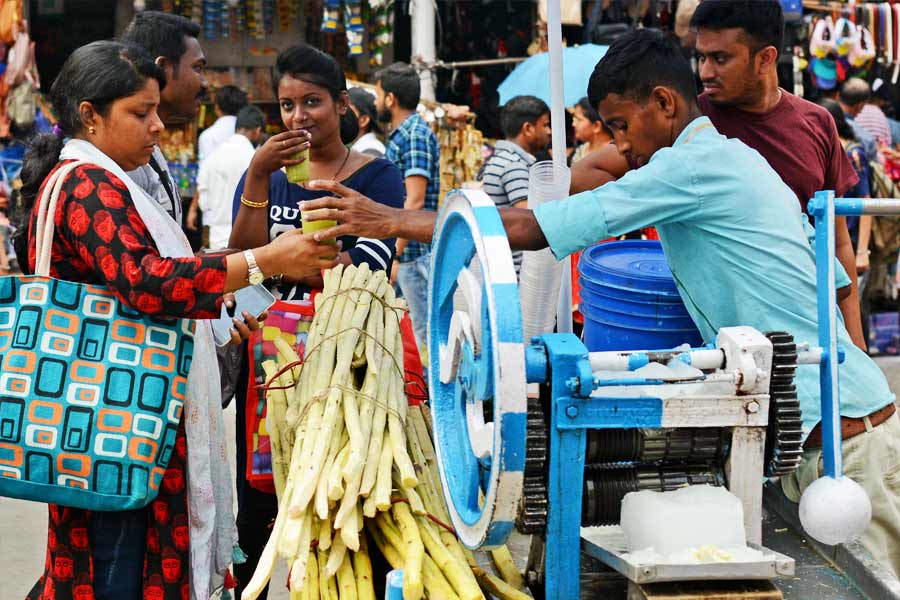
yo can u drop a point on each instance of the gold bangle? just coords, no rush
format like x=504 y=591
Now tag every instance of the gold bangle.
x=253 y=204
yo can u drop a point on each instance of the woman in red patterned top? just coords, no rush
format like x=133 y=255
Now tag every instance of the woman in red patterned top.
x=107 y=95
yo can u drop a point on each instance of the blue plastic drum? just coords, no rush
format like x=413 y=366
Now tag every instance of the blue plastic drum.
x=629 y=299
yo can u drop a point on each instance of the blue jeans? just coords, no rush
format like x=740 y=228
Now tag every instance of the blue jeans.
x=413 y=280
x=118 y=543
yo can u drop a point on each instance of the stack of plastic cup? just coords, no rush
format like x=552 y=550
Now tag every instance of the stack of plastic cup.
x=541 y=274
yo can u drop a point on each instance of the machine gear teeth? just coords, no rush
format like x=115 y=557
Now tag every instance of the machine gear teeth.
x=784 y=434
x=532 y=517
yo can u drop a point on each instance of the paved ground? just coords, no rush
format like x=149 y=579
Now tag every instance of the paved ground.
x=23 y=526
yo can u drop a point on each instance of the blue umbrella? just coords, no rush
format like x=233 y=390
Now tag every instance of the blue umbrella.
x=532 y=77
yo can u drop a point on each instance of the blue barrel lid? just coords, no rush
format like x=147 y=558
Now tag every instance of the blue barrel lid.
x=638 y=265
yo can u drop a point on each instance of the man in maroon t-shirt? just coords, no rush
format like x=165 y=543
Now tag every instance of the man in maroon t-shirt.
x=737 y=44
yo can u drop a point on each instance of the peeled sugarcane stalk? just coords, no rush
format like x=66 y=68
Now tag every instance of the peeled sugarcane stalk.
x=311 y=585
x=498 y=587
x=370 y=472
x=362 y=568
x=458 y=574
x=266 y=563
x=369 y=394
x=503 y=560
x=396 y=418
x=381 y=496
x=335 y=556
x=288 y=356
x=321 y=497
x=437 y=586
x=328 y=589
x=350 y=531
x=345 y=579
x=299 y=565
x=413 y=588
x=321 y=422
x=335 y=484
x=325 y=303
x=276 y=407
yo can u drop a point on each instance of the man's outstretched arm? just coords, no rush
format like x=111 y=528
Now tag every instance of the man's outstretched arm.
x=358 y=215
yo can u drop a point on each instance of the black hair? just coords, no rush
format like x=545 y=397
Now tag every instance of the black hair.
x=402 y=81
x=589 y=111
x=636 y=63
x=521 y=110
x=230 y=99
x=99 y=73
x=844 y=129
x=161 y=34
x=250 y=117
x=364 y=103
x=592 y=115
x=313 y=66
x=855 y=91
x=761 y=20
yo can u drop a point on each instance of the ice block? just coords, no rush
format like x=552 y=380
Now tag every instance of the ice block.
x=691 y=517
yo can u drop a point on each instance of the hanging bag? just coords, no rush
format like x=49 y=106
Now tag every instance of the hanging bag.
x=91 y=391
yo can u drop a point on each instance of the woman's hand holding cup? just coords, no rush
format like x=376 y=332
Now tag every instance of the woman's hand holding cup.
x=296 y=255
x=281 y=150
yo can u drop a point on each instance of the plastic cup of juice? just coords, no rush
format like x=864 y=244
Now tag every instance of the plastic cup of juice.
x=299 y=173
x=310 y=227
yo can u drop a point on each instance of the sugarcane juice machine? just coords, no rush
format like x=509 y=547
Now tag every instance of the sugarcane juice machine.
x=558 y=466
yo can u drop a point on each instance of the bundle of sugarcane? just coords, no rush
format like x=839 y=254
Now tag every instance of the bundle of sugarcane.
x=339 y=427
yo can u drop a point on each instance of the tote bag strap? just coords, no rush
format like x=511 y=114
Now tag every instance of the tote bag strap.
x=46 y=210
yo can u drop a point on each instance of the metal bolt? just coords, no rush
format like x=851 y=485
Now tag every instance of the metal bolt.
x=572 y=384
x=753 y=407
x=571 y=411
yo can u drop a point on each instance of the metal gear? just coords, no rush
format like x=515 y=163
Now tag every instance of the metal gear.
x=784 y=434
x=532 y=517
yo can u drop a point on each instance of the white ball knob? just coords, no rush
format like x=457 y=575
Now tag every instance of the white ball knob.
x=139 y=5
x=835 y=511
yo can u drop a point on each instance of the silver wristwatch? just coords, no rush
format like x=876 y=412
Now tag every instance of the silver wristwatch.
x=254 y=274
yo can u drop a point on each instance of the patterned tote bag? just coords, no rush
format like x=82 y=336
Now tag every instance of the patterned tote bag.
x=91 y=391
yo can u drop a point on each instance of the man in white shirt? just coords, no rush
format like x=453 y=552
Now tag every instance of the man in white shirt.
x=222 y=169
x=229 y=100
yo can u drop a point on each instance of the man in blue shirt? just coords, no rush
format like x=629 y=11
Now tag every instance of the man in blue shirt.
x=413 y=147
x=733 y=234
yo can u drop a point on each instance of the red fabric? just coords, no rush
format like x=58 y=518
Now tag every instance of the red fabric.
x=799 y=140
x=416 y=386
x=101 y=239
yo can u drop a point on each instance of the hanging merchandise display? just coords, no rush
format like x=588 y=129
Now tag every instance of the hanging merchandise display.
x=353 y=27
x=847 y=39
x=461 y=144
x=381 y=29
x=331 y=15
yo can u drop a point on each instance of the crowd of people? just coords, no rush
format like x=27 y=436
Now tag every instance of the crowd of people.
x=723 y=176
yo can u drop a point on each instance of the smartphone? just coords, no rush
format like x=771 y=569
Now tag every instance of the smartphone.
x=255 y=299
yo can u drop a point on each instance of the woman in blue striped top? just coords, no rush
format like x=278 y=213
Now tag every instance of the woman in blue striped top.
x=315 y=110
x=312 y=93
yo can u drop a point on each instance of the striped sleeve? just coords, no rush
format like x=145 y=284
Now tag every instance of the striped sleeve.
x=515 y=182
x=386 y=187
x=377 y=254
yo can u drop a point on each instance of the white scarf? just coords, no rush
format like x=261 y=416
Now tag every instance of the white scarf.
x=210 y=504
